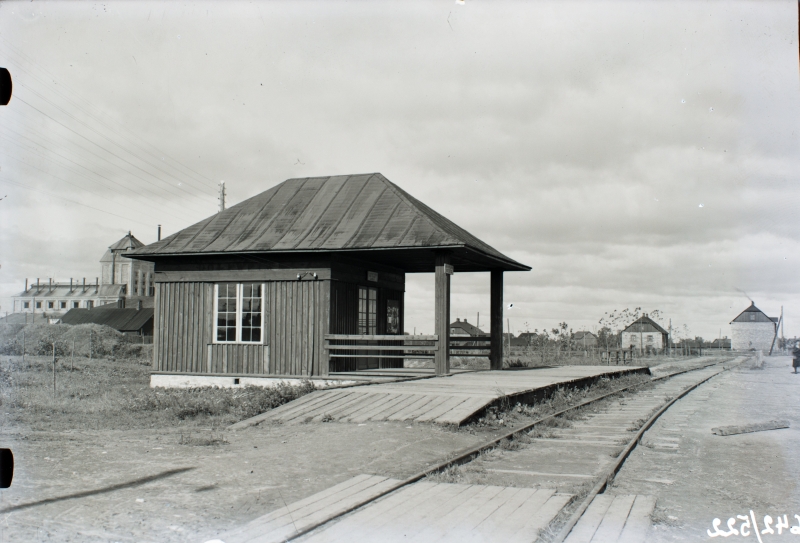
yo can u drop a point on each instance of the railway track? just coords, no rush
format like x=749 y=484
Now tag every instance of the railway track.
x=573 y=454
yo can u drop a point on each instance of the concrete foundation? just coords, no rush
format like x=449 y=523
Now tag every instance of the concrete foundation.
x=195 y=381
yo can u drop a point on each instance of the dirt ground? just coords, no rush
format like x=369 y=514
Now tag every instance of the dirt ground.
x=81 y=479
x=253 y=472
x=698 y=476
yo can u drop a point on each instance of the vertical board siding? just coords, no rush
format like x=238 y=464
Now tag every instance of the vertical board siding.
x=295 y=326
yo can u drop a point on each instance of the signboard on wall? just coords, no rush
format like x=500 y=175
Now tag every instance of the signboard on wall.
x=372 y=276
x=392 y=317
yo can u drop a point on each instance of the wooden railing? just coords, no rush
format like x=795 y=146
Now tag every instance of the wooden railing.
x=470 y=345
x=374 y=346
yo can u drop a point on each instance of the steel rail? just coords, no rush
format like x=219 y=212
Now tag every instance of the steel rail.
x=465 y=455
x=608 y=477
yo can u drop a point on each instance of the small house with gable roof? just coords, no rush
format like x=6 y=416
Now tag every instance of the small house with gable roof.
x=644 y=334
x=464 y=328
x=753 y=330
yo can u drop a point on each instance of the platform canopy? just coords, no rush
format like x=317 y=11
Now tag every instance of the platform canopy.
x=363 y=215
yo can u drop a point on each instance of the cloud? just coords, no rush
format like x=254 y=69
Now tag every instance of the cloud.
x=580 y=138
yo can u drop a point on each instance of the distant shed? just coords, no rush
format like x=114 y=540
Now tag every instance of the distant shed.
x=128 y=321
x=259 y=289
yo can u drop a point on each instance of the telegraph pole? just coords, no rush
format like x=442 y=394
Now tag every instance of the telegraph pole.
x=669 y=339
x=222 y=196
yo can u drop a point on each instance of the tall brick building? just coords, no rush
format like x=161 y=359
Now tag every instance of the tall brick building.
x=753 y=330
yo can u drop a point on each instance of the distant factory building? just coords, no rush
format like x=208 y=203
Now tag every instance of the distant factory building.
x=753 y=330
x=124 y=282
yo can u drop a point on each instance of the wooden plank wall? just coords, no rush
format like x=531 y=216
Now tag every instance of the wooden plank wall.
x=300 y=312
x=239 y=359
x=183 y=323
x=297 y=315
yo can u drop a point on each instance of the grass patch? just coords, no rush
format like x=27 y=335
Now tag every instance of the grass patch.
x=101 y=393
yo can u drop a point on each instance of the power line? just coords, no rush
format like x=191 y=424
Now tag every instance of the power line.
x=70 y=183
x=10 y=47
x=42 y=136
x=76 y=173
x=103 y=135
x=97 y=145
x=74 y=202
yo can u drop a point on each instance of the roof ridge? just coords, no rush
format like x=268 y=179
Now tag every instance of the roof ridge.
x=285 y=218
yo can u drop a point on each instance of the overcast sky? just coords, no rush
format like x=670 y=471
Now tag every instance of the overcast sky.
x=634 y=154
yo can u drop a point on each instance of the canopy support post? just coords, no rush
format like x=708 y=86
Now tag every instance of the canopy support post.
x=496 y=320
x=443 y=272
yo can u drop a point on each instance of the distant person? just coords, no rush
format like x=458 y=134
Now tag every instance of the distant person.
x=796 y=355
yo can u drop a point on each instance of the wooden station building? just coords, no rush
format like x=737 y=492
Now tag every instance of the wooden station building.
x=306 y=280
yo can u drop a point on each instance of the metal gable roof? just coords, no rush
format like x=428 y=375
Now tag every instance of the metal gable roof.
x=645 y=324
x=760 y=316
x=339 y=213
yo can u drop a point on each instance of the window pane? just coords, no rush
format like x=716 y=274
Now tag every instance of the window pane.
x=226 y=312
x=251 y=313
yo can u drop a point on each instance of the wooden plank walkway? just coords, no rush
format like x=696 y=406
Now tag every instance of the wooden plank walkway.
x=442 y=400
x=292 y=519
x=417 y=513
x=614 y=519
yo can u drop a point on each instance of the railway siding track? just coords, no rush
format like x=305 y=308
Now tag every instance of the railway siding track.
x=572 y=463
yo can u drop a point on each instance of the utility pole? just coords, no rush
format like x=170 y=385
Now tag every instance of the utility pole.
x=222 y=196
x=669 y=339
x=54 y=370
x=783 y=339
x=508 y=325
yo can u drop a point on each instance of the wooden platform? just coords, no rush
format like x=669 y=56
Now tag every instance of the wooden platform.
x=614 y=519
x=296 y=517
x=443 y=400
x=420 y=512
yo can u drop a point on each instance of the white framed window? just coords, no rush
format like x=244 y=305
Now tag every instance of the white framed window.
x=27 y=305
x=75 y=305
x=38 y=305
x=239 y=313
x=89 y=304
x=62 y=305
